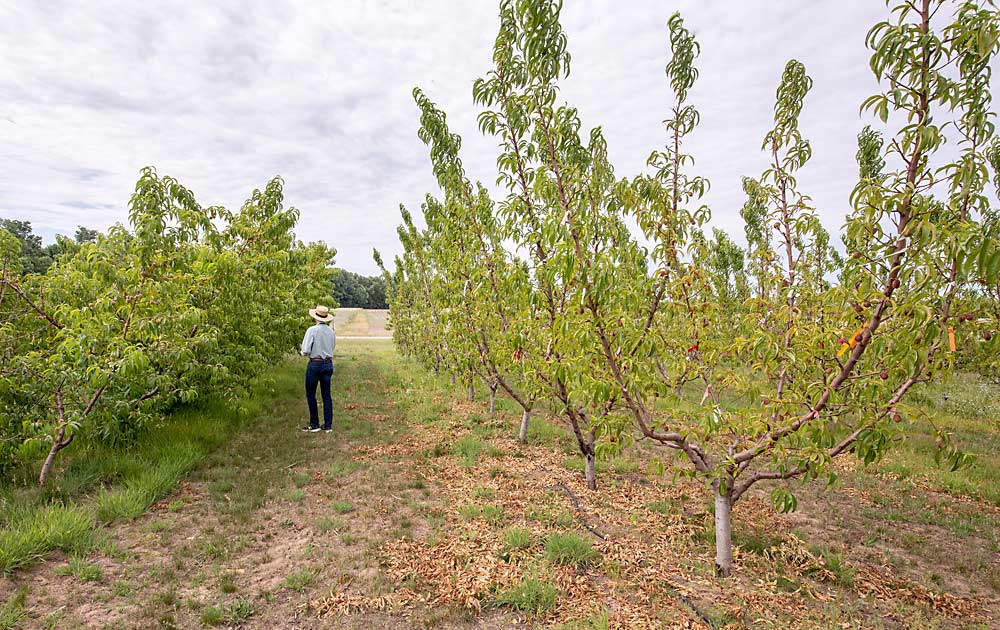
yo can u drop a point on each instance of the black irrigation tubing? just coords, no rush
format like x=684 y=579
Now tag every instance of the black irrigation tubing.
x=679 y=595
x=579 y=511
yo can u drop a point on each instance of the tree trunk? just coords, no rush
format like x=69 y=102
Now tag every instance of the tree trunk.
x=472 y=391
x=453 y=379
x=523 y=434
x=57 y=445
x=493 y=399
x=591 y=471
x=723 y=535
x=586 y=445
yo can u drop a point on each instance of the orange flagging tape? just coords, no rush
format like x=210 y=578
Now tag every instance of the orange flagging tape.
x=852 y=341
x=951 y=338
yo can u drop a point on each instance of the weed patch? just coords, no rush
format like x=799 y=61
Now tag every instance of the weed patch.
x=570 y=549
x=14 y=610
x=469 y=448
x=36 y=532
x=517 y=538
x=81 y=569
x=342 y=507
x=301 y=580
x=529 y=596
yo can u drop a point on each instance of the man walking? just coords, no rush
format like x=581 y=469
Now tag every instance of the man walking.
x=318 y=345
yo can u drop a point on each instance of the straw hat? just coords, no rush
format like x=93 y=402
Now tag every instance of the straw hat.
x=321 y=314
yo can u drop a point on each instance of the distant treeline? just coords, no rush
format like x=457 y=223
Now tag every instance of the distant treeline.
x=34 y=257
x=352 y=290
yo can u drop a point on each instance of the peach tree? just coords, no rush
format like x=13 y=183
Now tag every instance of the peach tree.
x=171 y=310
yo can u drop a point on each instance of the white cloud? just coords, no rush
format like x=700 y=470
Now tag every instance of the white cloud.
x=224 y=97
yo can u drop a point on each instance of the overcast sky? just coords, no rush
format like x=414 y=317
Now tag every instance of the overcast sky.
x=225 y=95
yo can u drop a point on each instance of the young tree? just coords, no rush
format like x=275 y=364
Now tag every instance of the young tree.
x=804 y=369
x=489 y=289
x=559 y=207
x=891 y=308
x=825 y=398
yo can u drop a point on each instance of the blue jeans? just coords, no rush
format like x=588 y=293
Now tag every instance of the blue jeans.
x=319 y=373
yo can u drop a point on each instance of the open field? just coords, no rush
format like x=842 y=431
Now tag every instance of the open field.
x=423 y=511
x=361 y=322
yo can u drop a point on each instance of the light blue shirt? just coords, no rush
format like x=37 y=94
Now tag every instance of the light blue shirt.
x=320 y=340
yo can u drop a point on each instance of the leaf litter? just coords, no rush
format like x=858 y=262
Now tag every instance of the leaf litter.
x=654 y=567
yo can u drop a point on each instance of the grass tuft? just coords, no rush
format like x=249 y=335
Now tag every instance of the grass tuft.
x=300 y=581
x=600 y=620
x=227 y=583
x=213 y=616
x=492 y=514
x=517 y=538
x=554 y=518
x=14 y=610
x=328 y=524
x=663 y=507
x=755 y=541
x=529 y=596
x=81 y=569
x=342 y=507
x=570 y=549
x=33 y=533
x=240 y=611
x=342 y=468
x=469 y=447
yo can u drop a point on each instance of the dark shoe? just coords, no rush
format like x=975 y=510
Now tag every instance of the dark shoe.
x=310 y=429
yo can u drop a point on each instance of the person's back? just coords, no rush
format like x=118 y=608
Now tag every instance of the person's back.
x=321 y=342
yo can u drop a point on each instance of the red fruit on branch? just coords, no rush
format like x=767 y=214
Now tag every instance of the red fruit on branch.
x=987 y=335
x=884 y=375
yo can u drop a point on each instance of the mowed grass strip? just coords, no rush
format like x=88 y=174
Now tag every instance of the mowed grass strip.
x=94 y=484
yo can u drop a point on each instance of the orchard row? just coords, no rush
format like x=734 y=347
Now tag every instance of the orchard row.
x=190 y=302
x=746 y=365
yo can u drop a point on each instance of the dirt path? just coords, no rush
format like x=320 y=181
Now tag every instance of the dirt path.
x=271 y=523
x=352 y=323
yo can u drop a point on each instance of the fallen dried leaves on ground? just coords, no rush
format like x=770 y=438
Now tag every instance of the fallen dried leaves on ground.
x=654 y=566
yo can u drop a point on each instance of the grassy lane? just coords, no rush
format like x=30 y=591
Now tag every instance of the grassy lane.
x=267 y=523
x=421 y=510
